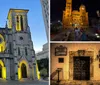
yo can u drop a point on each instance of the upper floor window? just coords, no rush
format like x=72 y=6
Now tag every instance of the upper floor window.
x=10 y=48
x=25 y=50
x=17 y=19
x=21 y=20
x=18 y=51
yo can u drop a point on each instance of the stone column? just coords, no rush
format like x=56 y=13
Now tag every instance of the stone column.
x=16 y=68
x=34 y=69
x=7 y=69
x=24 y=23
x=30 y=71
x=15 y=24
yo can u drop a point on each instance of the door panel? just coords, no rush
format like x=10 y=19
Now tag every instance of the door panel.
x=81 y=68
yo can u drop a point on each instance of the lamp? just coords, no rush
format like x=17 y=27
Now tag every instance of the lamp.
x=98 y=13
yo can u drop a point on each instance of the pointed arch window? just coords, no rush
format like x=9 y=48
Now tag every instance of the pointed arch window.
x=21 y=20
x=17 y=19
x=24 y=71
x=17 y=23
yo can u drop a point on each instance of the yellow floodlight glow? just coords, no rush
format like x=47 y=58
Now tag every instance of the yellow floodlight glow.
x=19 y=73
x=19 y=68
x=2 y=44
x=37 y=71
x=3 y=70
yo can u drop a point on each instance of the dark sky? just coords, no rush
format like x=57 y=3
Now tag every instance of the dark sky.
x=58 y=6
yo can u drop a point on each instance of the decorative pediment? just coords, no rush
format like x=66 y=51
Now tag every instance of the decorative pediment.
x=81 y=52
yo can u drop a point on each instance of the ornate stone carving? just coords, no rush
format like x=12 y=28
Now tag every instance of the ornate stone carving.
x=60 y=51
x=81 y=53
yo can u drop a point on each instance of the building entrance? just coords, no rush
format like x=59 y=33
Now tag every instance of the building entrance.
x=81 y=68
x=24 y=71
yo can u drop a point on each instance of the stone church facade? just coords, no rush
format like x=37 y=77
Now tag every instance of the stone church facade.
x=75 y=62
x=17 y=56
x=74 y=18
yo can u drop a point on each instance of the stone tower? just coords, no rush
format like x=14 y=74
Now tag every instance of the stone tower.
x=67 y=13
x=20 y=47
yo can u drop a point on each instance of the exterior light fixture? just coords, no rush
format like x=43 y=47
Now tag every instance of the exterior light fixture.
x=98 y=13
x=96 y=34
x=58 y=20
x=82 y=8
x=70 y=23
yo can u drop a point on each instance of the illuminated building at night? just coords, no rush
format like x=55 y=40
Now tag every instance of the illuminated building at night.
x=75 y=18
x=17 y=56
x=77 y=63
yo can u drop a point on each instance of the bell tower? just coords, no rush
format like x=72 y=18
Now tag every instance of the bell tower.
x=69 y=7
x=22 y=45
x=67 y=14
x=17 y=19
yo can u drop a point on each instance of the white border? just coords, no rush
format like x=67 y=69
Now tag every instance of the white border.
x=74 y=41
x=49 y=40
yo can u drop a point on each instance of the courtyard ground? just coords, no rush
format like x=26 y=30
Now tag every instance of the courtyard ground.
x=24 y=82
x=69 y=35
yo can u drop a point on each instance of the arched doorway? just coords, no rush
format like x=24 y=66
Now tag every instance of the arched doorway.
x=24 y=71
x=0 y=71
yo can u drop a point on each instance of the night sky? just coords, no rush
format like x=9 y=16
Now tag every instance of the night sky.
x=58 y=6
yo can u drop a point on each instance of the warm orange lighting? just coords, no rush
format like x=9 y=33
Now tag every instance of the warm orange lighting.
x=75 y=16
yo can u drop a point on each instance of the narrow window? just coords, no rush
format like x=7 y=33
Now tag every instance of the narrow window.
x=21 y=18
x=25 y=50
x=10 y=48
x=17 y=23
x=18 y=51
x=17 y=19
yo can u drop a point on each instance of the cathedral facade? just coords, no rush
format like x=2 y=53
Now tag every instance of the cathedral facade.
x=74 y=18
x=17 y=56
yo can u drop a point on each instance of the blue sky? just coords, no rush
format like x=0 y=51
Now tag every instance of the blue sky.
x=35 y=18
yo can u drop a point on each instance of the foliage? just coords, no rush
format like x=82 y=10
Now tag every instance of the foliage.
x=43 y=64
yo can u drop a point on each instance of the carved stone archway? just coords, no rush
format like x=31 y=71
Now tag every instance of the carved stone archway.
x=80 y=53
